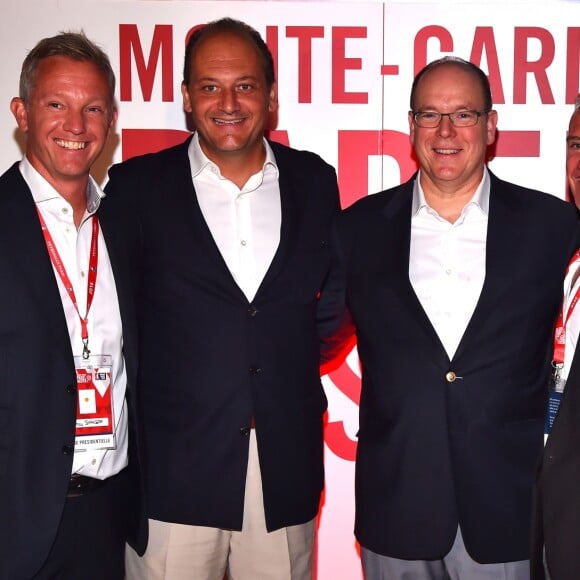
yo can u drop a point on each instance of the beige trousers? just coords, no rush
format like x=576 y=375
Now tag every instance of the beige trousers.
x=182 y=552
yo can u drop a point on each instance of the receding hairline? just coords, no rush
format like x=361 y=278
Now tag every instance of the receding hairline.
x=460 y=64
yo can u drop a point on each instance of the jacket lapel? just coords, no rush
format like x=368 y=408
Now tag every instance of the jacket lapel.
x=114 y=227
x=289 y=207
x=398 y=233
x=22 y=238
x=187 y=204
x=502 y=250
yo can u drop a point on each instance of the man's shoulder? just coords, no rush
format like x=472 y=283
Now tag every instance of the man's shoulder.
x=151 y=162
x=382 y=200
x=531 y=200
x=10 y=174
x=12 y=182
x=298 y=157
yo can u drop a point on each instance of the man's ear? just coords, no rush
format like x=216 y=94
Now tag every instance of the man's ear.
x=20 y=113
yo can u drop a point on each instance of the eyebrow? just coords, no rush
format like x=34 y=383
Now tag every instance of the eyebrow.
x=238 y=79
x=572 y=138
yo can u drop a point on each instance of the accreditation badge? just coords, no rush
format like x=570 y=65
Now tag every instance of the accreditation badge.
x=95 y=424
x=557 y=385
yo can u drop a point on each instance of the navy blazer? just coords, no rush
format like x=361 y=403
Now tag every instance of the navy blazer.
x=38 y=382
x=556 y=515
x=211 y=361
x=432 y=452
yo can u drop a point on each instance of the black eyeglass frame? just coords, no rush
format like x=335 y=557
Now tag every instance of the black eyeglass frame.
x=451 y=116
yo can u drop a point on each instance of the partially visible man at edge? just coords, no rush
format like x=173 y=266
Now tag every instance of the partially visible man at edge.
x=556 y=518
x=235 y=294
x=67 y=331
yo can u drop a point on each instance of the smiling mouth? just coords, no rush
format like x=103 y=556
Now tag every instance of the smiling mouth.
x=72 y=145
x=228 y=122
x=447 y=151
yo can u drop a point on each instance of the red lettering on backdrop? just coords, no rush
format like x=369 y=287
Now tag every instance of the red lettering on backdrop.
x=140 y=141
x=484 y=40
x=572 y=65
x=334 y=434
x=517 y=144
x=191 y=31
x=305 y=34
x=340 y=64
x=272 y=42
x=422 y=39
x=161 y=44
x=354 y=148
x=523 y=67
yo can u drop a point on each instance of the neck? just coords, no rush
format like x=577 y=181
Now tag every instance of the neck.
x=449 y=208
x=239 y=167
x=448 y=202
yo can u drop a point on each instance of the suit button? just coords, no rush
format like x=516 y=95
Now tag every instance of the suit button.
x=450 y=376
x=245 y=431
x=252 y=310
x=71 y=389
x=68 y=449
x=255 y=370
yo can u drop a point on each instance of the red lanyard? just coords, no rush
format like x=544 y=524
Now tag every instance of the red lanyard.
x=91 y=278
x=562 y=321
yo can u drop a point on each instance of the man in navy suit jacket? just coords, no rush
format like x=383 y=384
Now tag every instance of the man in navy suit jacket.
x=235 y=297
x=67 y=331
x=453 y=282
x=556 y=514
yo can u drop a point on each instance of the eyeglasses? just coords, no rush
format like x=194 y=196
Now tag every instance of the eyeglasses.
x=432 y=119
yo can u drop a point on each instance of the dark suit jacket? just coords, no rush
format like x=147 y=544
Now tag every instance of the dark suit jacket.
x=211 y=361
x=432 y=453
x=556 y=516
x=38 y=381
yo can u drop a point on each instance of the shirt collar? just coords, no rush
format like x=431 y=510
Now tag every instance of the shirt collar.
x=199 y=160
x=43 y=191
x=480 y=198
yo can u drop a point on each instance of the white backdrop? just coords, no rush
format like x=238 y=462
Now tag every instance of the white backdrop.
x=345 y=71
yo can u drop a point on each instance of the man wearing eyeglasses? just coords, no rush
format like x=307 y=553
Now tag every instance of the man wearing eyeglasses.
x=453 y=281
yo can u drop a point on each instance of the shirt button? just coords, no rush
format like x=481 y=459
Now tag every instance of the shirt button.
x=243 y=242
x=450 y=376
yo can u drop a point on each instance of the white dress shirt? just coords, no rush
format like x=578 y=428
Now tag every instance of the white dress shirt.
x=245 y=223
x=447 y=262
x=104 y=320
x=571 y=286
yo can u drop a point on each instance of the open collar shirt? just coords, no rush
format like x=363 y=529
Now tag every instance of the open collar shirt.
x=104 y=320
x=245 y=223
x=447 y=262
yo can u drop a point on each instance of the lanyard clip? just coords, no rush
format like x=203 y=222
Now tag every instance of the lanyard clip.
x=86 y=351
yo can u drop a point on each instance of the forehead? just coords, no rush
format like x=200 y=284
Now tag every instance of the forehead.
x=450 y=83
x=226 y=49
x=574 y=129
x=60 y=71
